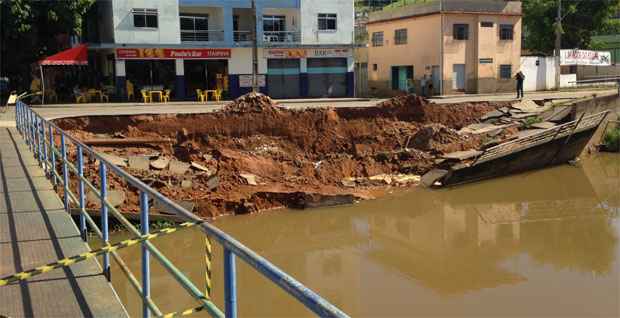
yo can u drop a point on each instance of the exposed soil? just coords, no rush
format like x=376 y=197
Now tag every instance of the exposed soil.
x=260 y=156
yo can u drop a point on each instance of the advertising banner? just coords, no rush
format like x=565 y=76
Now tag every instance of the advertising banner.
x=585 y=57
x=163 y=53
x=285 y=53
x=303 y=53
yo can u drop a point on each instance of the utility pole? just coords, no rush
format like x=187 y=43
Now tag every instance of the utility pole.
x=254 y=50
x=558 y=44
x=441 y=92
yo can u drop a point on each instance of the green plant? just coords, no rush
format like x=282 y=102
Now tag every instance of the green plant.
x=531 y=121
x=612 y=140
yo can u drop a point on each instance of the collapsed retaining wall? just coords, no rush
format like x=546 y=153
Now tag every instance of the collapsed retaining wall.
x=254 y=155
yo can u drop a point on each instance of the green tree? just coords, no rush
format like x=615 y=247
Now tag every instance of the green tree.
x=581 y=20
x=31 y=29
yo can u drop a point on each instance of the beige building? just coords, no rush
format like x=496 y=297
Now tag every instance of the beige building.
x=477 y=44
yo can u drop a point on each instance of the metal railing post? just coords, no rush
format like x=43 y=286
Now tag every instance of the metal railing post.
x=44 y=142
x=80 y=167
x=40 y=140
x=104 y=217
x=230 y=284
x=53 y=156
x=65 y=170
x=30 y=129
x=146 y=271
x=17 y=116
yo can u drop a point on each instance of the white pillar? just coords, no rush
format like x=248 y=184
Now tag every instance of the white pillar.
x=179 y=67
x=119 y=66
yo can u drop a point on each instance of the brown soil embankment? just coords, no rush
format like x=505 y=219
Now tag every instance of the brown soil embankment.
x=254 y=155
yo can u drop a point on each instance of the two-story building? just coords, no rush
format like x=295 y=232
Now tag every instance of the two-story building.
x=304 y=46
x=471 y=46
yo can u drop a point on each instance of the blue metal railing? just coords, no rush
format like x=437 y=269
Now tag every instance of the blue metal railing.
x=40 y=134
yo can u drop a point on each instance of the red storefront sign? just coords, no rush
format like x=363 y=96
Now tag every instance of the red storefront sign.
x=162 y=53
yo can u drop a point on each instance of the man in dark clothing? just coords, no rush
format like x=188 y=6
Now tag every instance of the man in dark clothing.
x=520 y=78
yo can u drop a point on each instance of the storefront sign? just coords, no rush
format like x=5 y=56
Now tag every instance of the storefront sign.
x=585 y=57
x=246 y=80
x=285 y=53
x=330 y=53
x=486 y=61
x=302 y=53
x=161 y=53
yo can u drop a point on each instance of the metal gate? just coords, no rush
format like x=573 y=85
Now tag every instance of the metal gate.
x=327 y=77
x=283 y=78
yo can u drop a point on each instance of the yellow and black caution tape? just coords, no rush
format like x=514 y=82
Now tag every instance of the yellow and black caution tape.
x=208 y=258
x=84 y=256
x=184 y=313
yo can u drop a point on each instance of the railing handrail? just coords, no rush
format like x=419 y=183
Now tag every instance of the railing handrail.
x=541 y=137
x=309 y=298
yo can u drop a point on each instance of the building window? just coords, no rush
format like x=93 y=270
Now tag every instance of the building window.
x=461 y=31
x=486 y=24
x=377 y=39
x=375 y=67
x=144 y=18
x=194 y=28
x=505 y=71
x=506 y=32
x=327 y=22
x=400 y=36
x=274 y=23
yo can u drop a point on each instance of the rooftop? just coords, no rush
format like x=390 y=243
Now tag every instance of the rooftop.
x=454 y=6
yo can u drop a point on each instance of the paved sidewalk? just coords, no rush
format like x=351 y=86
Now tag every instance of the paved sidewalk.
x=110 y=109
x=35 y=230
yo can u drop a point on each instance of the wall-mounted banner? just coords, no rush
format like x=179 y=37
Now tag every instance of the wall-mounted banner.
x=162 y=53
x=585 y=57
x=285 y=53
x=303 y=53
x=330 y=52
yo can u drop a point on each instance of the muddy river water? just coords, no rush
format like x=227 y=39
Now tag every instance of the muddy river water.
x=541 y=244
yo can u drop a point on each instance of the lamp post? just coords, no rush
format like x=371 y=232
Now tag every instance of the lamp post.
x=558 y=44
x=254 y=50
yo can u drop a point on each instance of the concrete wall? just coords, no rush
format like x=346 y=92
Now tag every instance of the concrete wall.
x=421 y=50
x=538 y=77
x=309 y=21
x=168 y=31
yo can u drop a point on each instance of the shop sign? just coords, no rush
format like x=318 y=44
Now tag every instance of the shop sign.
x=486 y=61
x=246 y=81
x=162 y=53
x=585 y=57
x=330 y=53
x=285 y=53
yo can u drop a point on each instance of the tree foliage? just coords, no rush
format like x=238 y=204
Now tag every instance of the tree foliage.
x=32 y=29
x=581 y=20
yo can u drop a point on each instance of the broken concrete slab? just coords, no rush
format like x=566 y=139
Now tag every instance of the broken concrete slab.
x=178 y=167
x=544 y=125
x=249 y=178
x=492 y=115
x=213 y=182
x=528 y=132
x=462 y=155
x=113 y=159
x=200 y=167
x=115 y=197
x=161 y=163
x=386 y=178
x=526 y=105
x=139 y=163
x=163 y=208
x=433 y=176
x=186 y=184
x=478 y=129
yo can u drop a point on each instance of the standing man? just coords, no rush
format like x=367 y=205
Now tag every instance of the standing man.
x=520 y=78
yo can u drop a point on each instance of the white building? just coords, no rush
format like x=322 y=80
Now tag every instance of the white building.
x=305 y=46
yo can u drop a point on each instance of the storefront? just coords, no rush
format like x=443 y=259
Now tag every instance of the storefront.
x=294 y=73
x=180 y=70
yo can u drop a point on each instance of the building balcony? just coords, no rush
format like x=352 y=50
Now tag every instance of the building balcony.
x=276 y=38
x=202 y=36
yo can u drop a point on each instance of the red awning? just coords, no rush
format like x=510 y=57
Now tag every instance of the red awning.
x=74 y=56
